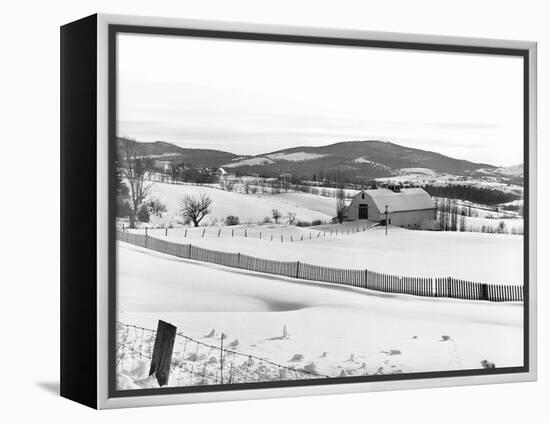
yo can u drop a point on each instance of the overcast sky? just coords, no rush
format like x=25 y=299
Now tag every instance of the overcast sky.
x=257 y=97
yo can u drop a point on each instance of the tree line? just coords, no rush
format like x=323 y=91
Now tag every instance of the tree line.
x=486 y=196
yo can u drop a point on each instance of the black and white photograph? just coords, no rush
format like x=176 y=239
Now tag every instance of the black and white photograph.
x=294 y=212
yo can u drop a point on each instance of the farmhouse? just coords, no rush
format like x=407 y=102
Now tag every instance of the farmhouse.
x=409 y=208
x=163 y=165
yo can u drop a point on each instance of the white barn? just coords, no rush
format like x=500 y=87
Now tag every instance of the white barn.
x=409 y=208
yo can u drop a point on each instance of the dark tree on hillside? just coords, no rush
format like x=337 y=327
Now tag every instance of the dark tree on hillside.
x=195 y=209
x=276 y=215
x=134 y=167
x=340 y=204
x=122 y=206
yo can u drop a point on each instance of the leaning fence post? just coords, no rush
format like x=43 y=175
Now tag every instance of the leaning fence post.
x=162 y=352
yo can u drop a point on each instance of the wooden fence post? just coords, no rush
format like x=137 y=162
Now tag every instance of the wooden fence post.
x=166 y=232
x=162 y=352
x=485 y=292
x=297 y=269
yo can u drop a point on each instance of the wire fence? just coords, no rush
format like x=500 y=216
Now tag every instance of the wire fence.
x=295 y=234
x=448 y=287
x=195 y=362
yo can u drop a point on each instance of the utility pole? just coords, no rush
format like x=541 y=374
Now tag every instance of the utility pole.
x=386 y=213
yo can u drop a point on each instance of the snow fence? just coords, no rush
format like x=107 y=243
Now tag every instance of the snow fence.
x=448 y=287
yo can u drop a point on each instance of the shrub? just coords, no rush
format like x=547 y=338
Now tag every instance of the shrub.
x=316 y=222
x=267 y=219
x=232 y=220
x=276 y=215
x=143 y=214
x=303 y=224
x=156 y=207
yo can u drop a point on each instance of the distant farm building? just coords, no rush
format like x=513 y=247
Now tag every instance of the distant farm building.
x=409 y=208
x=163 y=165
x=221 y=172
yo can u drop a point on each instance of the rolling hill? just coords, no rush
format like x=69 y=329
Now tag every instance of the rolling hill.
x=350 y=160
x=196 y=157
x=353 y=159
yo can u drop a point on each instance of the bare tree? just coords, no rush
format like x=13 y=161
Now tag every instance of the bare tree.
x=340 y=204
x=133 y=169
x=463 y=223
x=195 y=209
x=291 y=218
x=227 y=184
x=276 y=215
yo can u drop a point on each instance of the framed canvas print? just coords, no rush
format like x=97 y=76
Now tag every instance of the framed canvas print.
x=253 y=211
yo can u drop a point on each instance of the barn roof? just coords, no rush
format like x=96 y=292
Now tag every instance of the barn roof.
x=405 y=200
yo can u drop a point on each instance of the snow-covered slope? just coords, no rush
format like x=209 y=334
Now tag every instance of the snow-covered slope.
x=336 y=329
x=248 y=207
x=478 y=257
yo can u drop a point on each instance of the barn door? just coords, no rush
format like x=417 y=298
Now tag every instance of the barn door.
x=363 y=211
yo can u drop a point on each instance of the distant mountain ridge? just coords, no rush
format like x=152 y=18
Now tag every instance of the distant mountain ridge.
x=198 y=157
x=348 y=159
x=367 y=159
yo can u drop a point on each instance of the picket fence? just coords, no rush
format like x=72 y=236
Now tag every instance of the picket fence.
x=448 y=287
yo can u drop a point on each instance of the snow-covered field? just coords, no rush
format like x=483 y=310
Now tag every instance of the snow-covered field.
x=478 y=257
x=336 y=330
x=254 y=208
x=250 y=208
